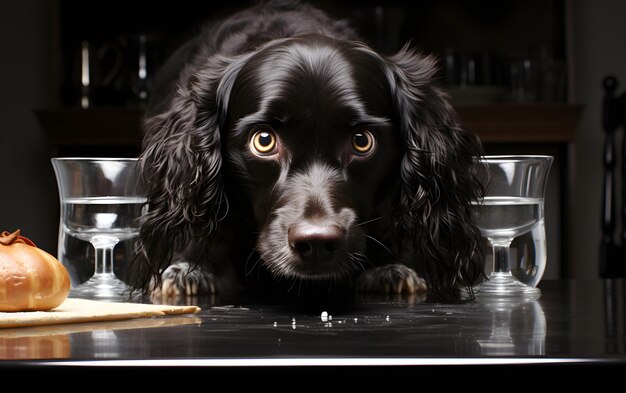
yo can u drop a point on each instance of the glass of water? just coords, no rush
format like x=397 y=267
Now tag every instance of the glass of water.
x=513 y=206
x=102 y=202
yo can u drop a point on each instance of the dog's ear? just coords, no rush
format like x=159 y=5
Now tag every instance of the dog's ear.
x=439 y=176
x=180 y=166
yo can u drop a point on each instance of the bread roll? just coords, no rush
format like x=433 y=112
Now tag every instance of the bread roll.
x=30 y=278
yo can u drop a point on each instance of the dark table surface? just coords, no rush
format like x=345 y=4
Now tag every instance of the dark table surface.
x=572 y=324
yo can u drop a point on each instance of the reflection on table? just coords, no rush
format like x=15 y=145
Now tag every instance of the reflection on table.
x=572 y=320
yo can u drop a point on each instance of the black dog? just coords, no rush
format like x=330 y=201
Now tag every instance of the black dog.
x=280 y=144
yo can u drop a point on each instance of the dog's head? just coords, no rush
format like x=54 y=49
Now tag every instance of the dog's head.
x=328 y=140
x=310 y=135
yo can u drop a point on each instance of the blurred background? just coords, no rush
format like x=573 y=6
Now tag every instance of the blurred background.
x=525 y=75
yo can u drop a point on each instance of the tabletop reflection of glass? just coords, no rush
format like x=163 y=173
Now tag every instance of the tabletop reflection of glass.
x=518 y=328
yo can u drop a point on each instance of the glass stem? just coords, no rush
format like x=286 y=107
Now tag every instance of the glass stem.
x=104 y=253
x=501 y=263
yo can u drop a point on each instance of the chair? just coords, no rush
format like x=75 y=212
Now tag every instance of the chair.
x=613 y=251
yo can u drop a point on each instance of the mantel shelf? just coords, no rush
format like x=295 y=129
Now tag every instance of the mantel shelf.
x=494 y=123
x=532 y=123
x=92 y=127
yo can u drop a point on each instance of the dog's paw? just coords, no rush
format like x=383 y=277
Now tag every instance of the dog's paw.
x=180 y=279
x=395 y=278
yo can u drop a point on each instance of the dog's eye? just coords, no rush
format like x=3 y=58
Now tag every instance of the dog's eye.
x=362 y=142
x=263 y=142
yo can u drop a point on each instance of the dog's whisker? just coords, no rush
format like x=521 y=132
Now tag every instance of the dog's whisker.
x=296 y=280
x=380 y=243
x=246 y=270
x=333 y=283
x=369 y=221
x=299 y=286
x=360 y=260
x=254 y=267
x=293 y=284
x=224 y=199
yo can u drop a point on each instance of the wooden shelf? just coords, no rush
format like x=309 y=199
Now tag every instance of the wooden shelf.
x=493 y=123
x=532 y=123
x=92 y=127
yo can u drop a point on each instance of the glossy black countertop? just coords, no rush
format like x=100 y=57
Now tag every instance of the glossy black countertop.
x=573 y=323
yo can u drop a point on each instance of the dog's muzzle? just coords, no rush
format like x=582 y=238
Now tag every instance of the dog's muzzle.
x=312 y=231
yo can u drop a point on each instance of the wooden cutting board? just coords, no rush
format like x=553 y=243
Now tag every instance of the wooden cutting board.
x=81 y=310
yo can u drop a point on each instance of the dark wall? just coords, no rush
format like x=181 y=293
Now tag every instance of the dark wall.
x=27 y=185
x=28 y=189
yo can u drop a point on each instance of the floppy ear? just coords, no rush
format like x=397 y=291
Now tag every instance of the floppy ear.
x=180 y=166
x=438 y=175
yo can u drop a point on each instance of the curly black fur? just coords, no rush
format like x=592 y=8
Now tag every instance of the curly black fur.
x=289 y=68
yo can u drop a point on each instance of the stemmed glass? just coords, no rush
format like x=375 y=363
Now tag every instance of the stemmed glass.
x=102 y=202
x=513 y=205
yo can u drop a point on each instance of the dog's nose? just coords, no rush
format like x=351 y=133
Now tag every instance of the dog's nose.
x=315 y=242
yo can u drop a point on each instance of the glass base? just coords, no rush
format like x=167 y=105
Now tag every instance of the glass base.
x=103 y=286
x=506 y=286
